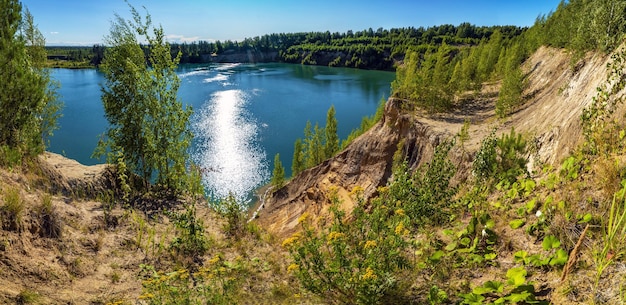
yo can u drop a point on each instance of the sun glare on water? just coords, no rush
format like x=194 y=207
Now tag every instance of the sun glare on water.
x=231 y=160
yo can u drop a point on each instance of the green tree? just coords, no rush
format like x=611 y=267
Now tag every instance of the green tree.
x=148 y=123
x=28 y=98
x=331 y=143
x=297 y=164
x=513 y=84
x=278 y=174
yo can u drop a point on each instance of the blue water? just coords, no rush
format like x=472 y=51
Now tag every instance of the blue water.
x=243 y=115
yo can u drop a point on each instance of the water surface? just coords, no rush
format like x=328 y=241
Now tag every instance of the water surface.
x=243 y=115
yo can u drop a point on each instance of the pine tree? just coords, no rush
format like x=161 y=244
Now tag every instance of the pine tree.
x=331 y=143
x=28 y=97
x=278 y=174
x=297 y=165
x=513 y=83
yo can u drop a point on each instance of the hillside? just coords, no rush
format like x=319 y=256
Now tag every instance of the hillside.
x=567 y=188
x=555 y=98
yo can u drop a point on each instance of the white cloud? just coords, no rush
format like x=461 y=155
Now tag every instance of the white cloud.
x=173 y=38
x=54 y=33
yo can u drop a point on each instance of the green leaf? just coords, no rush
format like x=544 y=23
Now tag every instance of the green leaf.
x=560 y=258
x=517 y=223
x=520 y=256
x=451 y=246
x=436 y=257
x=465 y=241
x=531 y=205
x=490 y=256
x=515 y=298
x=472 y=299
x=585 y=218
x=516 y=276
x=495 y=286
x=550 y=242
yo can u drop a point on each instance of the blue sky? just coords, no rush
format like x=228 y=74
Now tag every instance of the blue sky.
x=85 y=22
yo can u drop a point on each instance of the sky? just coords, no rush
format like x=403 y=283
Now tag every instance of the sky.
x=87 y=22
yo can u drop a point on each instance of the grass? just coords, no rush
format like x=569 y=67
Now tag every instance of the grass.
x=13 y=210
x=614 y=235
x=50 y=221
x=28 y=296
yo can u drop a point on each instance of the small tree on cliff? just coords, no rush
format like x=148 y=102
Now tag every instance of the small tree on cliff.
x=331 y=144
x=278 y=174
x=148 y=124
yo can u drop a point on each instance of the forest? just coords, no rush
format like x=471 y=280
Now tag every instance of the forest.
x=367 y=49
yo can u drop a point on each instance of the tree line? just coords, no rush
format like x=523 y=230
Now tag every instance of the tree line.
x=367 y=49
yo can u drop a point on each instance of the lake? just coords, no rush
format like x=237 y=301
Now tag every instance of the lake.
x=244 y=114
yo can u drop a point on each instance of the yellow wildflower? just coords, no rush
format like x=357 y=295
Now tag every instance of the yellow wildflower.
x=370 y=244
x=369 y=274
x=400 y=212
x=333 y=236
x=399 y=229
x=292 y=267
x=146 y=296
x=214 y=260
x=303 y=217
x=357 y=190
x=290 y=240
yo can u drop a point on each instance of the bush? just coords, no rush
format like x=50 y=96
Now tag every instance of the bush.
x=426 y=194
x=190 y=239
x=351 y=260
x=503 y=159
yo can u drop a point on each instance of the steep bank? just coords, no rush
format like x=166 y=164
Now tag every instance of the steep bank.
x=555 y=97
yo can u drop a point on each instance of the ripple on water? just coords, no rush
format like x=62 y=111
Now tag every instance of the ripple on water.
x=227 y=147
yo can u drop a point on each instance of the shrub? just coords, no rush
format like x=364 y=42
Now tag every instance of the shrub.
x=503 y=159
x=426 y=194
x=190 y=239
x=351 y=260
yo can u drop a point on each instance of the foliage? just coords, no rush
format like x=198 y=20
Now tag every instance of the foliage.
x=190 y=240
x=352 y=259
x=584 y=25
x=235 y=217
x=318 y=145
x=278 y=174
x=425 y=81
x=331 y=139
x=297 y=164
x=602 y=133
x=557 y=256
x=501 y=159
x=28 y=98
x=148 y=122
x=12 y=210
x=513 y=84
x=426 y=195
x=613 y=233
x=475 y=244
x=48 y=218
x=215 y=283
x=515 y=290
